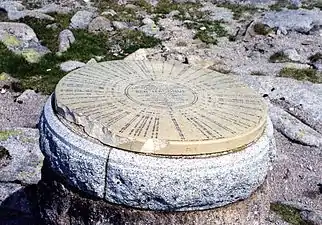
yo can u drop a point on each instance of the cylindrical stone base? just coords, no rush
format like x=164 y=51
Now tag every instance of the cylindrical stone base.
x=61 y=204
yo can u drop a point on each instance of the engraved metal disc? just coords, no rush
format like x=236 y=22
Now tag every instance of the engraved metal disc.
x=165 y=108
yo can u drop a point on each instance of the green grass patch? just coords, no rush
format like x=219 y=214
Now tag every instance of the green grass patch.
x=208 y=31
x=262 y=29
x=239 y=10
x=5 y=134
x=44 y=75
x=307 y=74
x=278 y=57
x=288 y=214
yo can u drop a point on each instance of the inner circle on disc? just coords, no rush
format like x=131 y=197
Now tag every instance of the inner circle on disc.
x=160 y=94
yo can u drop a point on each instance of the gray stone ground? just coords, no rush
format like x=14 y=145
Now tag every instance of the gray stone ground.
x=295 y=106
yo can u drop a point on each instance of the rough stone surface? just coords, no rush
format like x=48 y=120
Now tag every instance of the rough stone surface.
x=19 y=176
x=80 y=161
x=54 y=8
x=300 y=99
x=71 y=65
x=61 y=204
x=26 y=158
x=16 y=15
x=217 y=13
x=26 y=96
x=118 y=25
x=100 y=24
x=21 y=39
x=81 y=19
x=293 y=128
x=300 y=20
x=148 y=181
x=66 y=38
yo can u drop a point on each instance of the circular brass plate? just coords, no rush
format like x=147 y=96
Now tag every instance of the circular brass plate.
x=163 y=108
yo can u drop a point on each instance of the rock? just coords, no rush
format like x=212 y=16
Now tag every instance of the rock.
x=11 y=6
x=294 y=129
x=81 y=19
x=292 y=54
x=301 y=20
x=217 y=13
x=59 y=205
x=173 y=13
x=140 y=54
x=26 y=157
x=100 y=24
x=148 y=21
x=3 y=90
x=54 y=8
x=66 y=38
x=71 y=65
x=300 y=99
x=16 y=15
x=26 y=95
x=312 y=217
x=109 y=12
x=21 y=39
x=118 y=25
x=18 y=204
x=149 y=29
x=91 y=61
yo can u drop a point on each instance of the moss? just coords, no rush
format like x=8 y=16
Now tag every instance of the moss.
x=302 y=74
x=31 y=55
x=262 y=29
x=278 y=57
x=238 y=9
x=288 y=214
x=11 y=41
x=4 y=135
x=316 y=57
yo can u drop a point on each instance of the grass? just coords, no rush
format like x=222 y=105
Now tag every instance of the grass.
x=4 y=135
x=208 y=31
x=288 y=214
x=278 y=57
x=44 y=75
x=262 y=29
x=238 y=10
x=302 y=74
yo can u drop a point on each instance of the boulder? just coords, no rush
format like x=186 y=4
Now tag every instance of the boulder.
x=66 y=38
x=301 y=20
x=21 y=39
x=100 y=24
x=71 y=65
x=81 y=19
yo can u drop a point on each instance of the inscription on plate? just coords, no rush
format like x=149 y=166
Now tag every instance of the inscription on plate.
x=172 y=102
